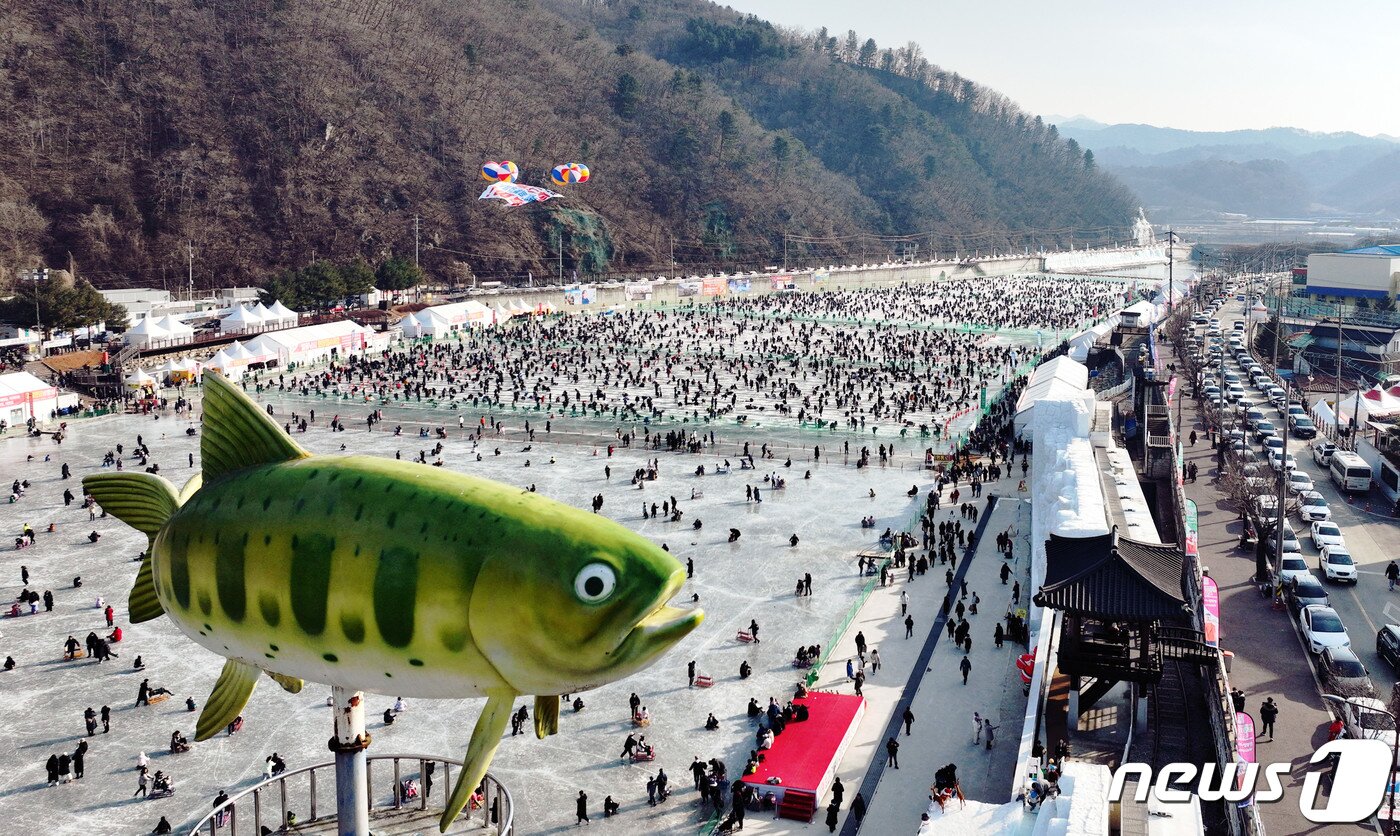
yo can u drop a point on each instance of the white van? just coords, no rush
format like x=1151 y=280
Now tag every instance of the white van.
x=1350 y=471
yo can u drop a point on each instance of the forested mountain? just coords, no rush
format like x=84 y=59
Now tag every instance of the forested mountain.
x=1275 y=172
x=267 y=134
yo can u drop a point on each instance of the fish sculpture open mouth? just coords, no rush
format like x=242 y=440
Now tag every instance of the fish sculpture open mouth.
x=661 y=628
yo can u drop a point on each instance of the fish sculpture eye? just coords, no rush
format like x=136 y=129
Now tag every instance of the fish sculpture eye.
x=595 y=583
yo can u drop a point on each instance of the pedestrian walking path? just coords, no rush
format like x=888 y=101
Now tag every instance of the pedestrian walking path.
x=1269 y=658
x=922 y=671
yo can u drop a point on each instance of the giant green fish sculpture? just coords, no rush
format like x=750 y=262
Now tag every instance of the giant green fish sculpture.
x=389 y=577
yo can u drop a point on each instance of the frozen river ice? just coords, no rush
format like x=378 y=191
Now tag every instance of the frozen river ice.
x=753 y=578
x=736 y=582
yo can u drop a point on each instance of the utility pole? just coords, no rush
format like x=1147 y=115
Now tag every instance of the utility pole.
x=189 y=249
x=1171 y=284
x=415 y=240
x=560 y=242
x=672 y=239
x=1337 y=404
x=785 y=252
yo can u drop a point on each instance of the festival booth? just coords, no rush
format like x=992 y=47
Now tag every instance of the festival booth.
x=444 y=320
x=503 y=313
x=284 y=316
x=805 y=756
x=308 y=344
x=146 y=333
x=225 y=364
x=1372 y=404
x=24 y=396
x=178 y=331
x=242 y=320
x=140 y=379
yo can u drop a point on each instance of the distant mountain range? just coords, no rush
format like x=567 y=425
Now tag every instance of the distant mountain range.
x=1273 y=172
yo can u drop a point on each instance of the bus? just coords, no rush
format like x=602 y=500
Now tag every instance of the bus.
x=1350 y=471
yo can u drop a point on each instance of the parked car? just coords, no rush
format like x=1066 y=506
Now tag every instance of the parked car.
x=1294 y=567
x=1279 y=461
x=1264 y=429
x=1345 y=674
x=1327 y=533
x=1303 y=427
x=1200 y=319
x=1298 y=481
x=1322 y=627
x=1290 y=539
x=1322 y=451
x=1337 y=564
x=1306 y=591
x=1388 y=644
x=1312 y=506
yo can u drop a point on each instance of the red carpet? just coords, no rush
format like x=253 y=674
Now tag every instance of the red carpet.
x=805 y=755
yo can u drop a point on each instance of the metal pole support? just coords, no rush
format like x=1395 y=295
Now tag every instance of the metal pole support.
x=351 y=765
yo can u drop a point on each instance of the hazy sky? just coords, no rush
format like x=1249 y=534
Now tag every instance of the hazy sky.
x=1196 y=64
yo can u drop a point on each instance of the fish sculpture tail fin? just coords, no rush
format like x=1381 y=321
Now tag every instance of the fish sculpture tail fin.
x=143 y=501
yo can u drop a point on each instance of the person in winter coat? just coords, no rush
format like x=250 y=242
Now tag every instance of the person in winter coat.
x=51 y=766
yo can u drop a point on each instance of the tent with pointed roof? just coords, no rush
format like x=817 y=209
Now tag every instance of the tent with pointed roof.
x=283 y=314
x=145 y=333
x=241 y=320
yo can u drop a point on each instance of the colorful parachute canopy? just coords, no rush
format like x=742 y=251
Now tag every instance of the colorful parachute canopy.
x=500 y=172
x=517 y=194
x=567 y=173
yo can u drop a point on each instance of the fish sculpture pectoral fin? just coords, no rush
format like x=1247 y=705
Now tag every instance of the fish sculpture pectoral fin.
x=290 y=684
x=143 y=501
x=546 y=716
x=143 y=604
x=486 y=737
x=230 y=695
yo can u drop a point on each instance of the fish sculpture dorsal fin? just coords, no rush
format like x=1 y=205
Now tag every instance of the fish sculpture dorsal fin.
x=237 y=434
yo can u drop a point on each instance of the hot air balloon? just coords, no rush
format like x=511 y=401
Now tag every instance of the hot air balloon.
x=563 y=175
x=500 y=172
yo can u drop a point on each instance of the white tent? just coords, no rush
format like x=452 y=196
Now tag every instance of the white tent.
x=24 y=396
x=178 y=330
x=145 y=333
x=1368 y=404
x=242 y=319
x=140 y=379
x=237 y=351
x=442 y=320
x=283 y=314
x=262 y=312
x=310 y=343
x=231 y=368
x=169 y=367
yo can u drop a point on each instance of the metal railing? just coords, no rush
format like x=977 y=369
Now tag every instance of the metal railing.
x=496 y=808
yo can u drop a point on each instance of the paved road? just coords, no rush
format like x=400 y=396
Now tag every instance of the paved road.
x=1270 y=659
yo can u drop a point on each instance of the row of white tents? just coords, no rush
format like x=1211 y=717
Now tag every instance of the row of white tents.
x=258 y=317
x=167 y=330
x=310 y=344
x=443 y=320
